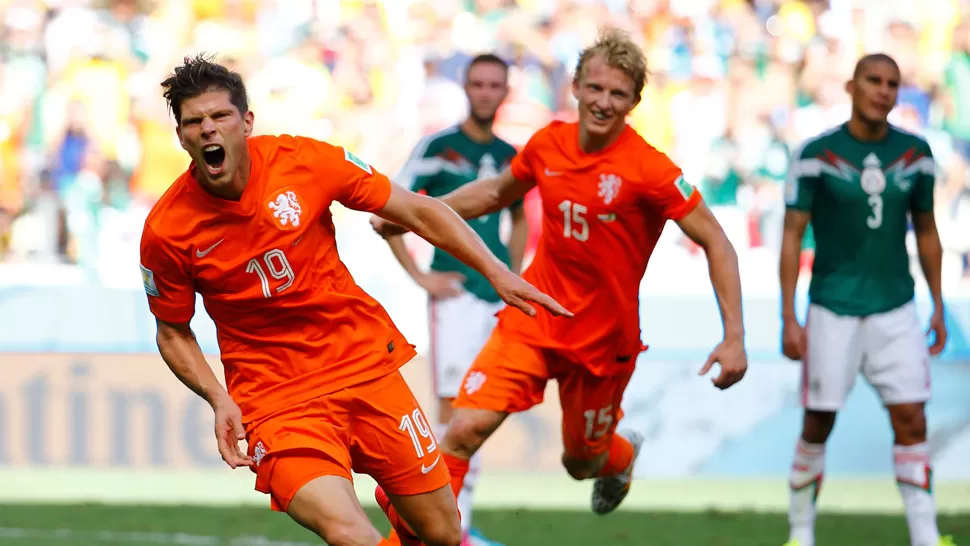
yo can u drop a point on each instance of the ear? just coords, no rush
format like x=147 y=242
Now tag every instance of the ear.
x=178 y=132
x=850 y=87
x=248 y=120
x=575 y=87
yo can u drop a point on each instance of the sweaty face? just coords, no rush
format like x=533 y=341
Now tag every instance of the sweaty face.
x=486 y=88
x=213 y=132
x=874 y=91
x=605 y=95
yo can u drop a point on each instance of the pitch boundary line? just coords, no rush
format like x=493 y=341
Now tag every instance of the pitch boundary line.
x=103 y=536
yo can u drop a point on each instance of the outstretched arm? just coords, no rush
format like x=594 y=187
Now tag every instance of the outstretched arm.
x=488 y=195
x=702 y=228
x=438 y=224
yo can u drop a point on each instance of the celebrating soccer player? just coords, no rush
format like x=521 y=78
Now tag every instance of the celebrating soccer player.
x=311 y=360
x=606 y=196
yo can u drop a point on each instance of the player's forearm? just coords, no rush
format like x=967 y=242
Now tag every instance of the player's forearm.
x=400 y=251
x=517 y=242
x=182 y=355
x=438 y=224
x=930 y=253
x=476 y=199
x=791 y=250
x=722 y=262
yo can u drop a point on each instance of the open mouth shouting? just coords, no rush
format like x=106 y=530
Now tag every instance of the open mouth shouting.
x=214 y=156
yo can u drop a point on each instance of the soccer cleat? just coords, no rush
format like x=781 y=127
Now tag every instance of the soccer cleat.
x=609 y=491
x=792 y=543
x=404 y=533
x=474 y=537
x=946 y=541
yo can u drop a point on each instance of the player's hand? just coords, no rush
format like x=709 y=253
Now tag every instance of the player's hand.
x=516 y=292
x=385 y=228
x=937 y=327
x=793 y=340
x=229 y=431
x=442 y=285
x=730 y=354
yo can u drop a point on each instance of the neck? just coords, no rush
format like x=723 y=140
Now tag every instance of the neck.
x=867 y=131
x=593 y=143
x=477 y=131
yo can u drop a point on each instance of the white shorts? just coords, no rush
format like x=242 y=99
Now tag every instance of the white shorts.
x=460 y=326
x=888 y=348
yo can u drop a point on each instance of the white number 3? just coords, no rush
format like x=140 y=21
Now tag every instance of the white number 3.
x=874 y=221
x=279 y=268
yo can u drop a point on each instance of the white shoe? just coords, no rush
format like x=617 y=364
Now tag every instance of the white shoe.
x=609 y=491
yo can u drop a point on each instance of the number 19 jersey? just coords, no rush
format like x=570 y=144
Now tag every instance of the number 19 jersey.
x=291 y=322
x=860 y=195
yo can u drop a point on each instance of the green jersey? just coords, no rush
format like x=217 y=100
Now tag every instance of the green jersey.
x=442 y=163
x=860 y=196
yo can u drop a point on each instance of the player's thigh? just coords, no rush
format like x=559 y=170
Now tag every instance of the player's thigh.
x=433 y=515
x=392 y=439
x=328 y=506
x=591 y=410
x=507 y=376
x=456 y=338
x=833 y=357
x=897 y=360
x=295 y=446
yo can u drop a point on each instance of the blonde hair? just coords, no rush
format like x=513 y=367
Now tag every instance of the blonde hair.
x=619 y=51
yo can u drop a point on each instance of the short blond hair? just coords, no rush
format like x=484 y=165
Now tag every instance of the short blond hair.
x=619 y=51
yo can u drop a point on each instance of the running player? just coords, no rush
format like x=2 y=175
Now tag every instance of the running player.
x=858 y=185
x=311 y=361
x=462 y=302
x=606 y=196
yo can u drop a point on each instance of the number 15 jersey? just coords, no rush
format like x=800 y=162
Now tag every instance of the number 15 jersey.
x=291 y=322
x=602 y=215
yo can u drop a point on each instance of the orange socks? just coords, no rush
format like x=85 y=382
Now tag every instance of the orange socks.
x=458 y=468
x=619 y=458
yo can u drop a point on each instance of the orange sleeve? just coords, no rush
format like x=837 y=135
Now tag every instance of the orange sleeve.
x=523 y=163
x=665 y=188
x=352 y=182
x=171 y=293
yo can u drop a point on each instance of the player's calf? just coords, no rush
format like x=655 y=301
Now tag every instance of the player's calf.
x=914 y=474
x=468 y=430
x=328 y=506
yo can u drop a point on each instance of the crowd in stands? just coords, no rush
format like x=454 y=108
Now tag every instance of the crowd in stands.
x=87 y=144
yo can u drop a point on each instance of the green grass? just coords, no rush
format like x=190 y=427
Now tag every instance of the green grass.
x=514 y=527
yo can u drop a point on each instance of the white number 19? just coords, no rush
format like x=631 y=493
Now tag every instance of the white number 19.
x=279 y=268
x=874 y=221
x=417 y=427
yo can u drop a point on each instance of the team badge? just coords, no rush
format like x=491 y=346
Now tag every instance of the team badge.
x=609 y=187
x=286 y=209
x=873 y=180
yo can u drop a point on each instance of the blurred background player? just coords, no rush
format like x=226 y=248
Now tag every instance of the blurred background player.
x=859 y=185
x=606 y=195
x=462 y=302
x=308 y=355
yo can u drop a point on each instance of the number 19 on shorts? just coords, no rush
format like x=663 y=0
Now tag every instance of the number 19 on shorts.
x=416 y=426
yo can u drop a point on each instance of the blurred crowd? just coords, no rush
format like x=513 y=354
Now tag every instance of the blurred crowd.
x=87 y=145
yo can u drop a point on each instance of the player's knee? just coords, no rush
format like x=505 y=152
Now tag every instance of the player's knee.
x=467 y=432
x=348 y=533
x=817 y=426
x=443 y=533
x=909 y=423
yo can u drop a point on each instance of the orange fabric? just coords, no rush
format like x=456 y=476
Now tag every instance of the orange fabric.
x=458 y=468
x=603 y=213
x=620 y=457
x=360 y=429
x=510 y=376
x=292 y=324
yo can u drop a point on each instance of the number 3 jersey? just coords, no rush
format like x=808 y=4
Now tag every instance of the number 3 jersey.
x=602 y=215
x=860 y=195
x=291 y=322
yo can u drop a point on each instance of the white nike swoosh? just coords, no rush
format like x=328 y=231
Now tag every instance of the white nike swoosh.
x=426 y=469
x=202 y=253
x=552 y=173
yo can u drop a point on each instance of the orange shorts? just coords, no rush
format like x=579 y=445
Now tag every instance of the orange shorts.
x=375 y=428
x=510 y=376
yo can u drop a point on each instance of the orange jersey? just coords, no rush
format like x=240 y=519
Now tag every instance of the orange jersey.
x=602 y=216
x=291 y=322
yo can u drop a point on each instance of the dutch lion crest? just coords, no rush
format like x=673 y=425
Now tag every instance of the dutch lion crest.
x=609 y=187
x=286 y=209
